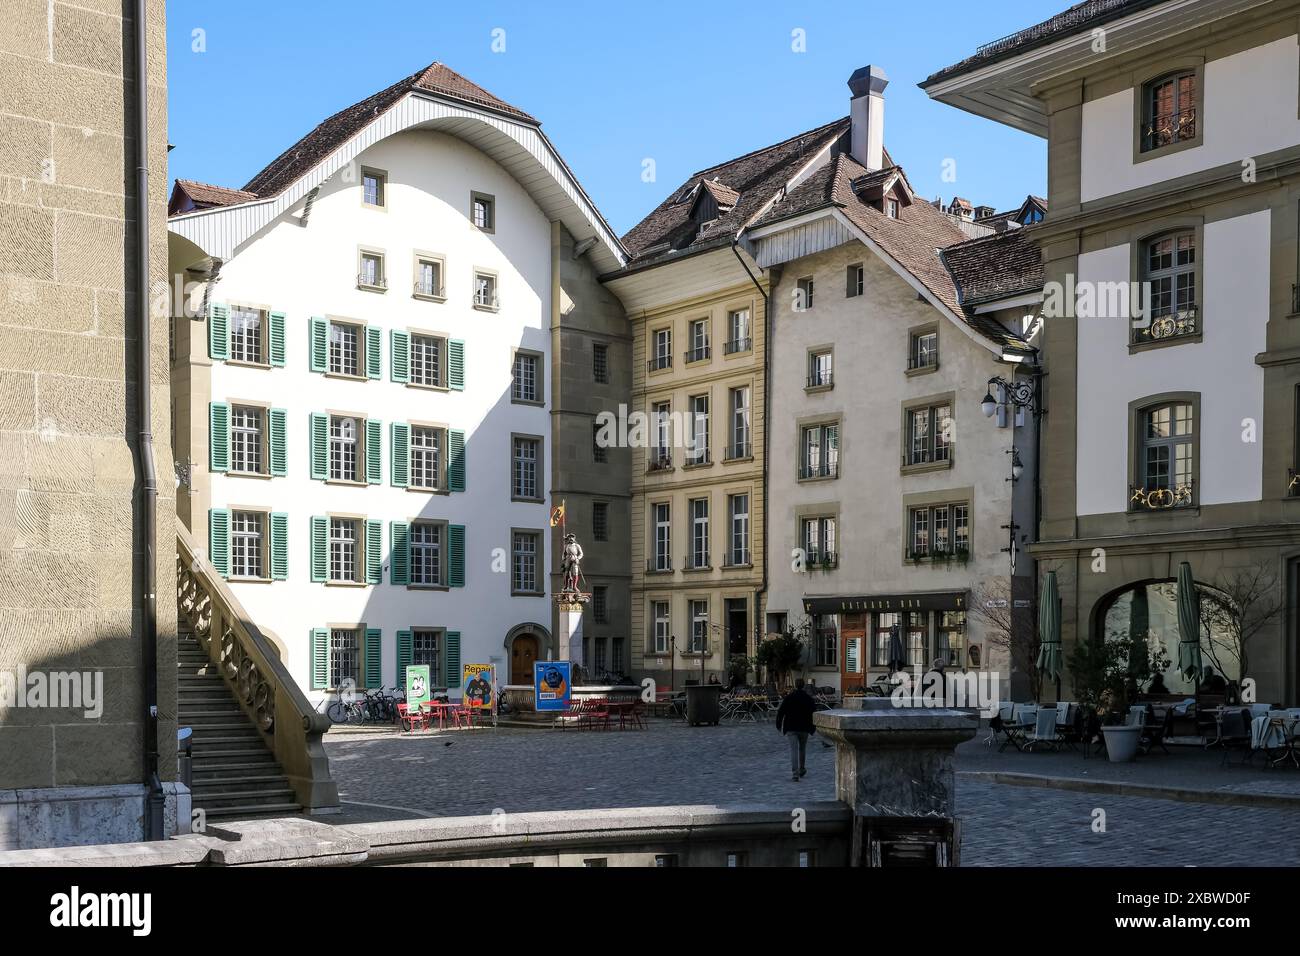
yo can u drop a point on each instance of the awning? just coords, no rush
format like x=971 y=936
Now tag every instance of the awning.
x=886 y=603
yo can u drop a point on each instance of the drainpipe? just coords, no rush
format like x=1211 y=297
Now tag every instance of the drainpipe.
x=148 y=515
x=767 y=408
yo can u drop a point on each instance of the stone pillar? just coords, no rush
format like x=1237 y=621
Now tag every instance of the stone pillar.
x=895 y=762
x=569 y=638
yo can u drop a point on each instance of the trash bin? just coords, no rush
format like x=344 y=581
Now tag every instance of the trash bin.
x=703 y=704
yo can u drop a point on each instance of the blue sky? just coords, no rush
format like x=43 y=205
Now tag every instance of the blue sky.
x=686 y=84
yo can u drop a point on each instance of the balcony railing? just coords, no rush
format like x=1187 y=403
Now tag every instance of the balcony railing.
x=659 y=362
x=1167 y=130
x=939 y=554
x=821 y=559
x=486 y=300
x=739 y=450
x=739 y=345
x=824 y=469
x=696 y=562
x=432 y=291
x=697 y=354
x=1174 y=325
x=737 y=559
x=659 y=565
x=1161 y=498
x=820 y=380
x=924 y=360
x=660 y=461
x=699 y=456
x=367 y=281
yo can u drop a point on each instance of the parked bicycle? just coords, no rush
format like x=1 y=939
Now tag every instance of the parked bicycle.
x=374 y=706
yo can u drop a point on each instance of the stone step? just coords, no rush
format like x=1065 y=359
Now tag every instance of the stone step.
x=217 y=723
x=221 y=761
x=234 y=779
x=223 y=740
x=217 y=705
x=209 y=799
x=253 y=810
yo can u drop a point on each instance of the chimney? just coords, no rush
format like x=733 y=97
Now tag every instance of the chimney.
x=867 y=116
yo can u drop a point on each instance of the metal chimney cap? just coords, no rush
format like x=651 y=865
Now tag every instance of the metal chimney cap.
x=868 y=79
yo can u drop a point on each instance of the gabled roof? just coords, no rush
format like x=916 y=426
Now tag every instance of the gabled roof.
x=1077 y=19
x=995 y=267
x=188 y=194
x=915 y=240
x=725 y=195
x=754 y=178
x=331 y=133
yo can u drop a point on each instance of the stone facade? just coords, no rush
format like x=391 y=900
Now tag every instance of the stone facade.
x=70 y=569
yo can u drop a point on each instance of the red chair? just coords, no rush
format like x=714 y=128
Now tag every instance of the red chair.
x=408 y=720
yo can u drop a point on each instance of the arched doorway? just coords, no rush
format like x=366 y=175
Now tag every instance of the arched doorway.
x=524 y=651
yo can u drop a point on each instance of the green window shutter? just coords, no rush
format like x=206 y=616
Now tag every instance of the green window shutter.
x=218 y=331
x=320 y=446
x=219 y=540
x=456 y=555
x=320 y=548
x=400 y=566
x=374 y=552
x=319 y=344
x=279 y=546
x=453 y=659
x=374 y=364
x=320 y=658
x=456 y=364
x=374 y=657
x=276 y=335
x=400 y=442
x=374 y=450
x=455 y=460
x=405 y=653
x=400 y=358
x=218 y=436
x=275 y=441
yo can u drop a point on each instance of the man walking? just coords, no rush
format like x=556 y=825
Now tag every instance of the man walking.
x=794 y=720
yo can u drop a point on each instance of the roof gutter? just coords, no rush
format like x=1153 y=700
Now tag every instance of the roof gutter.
x=147 y=515
x=767 y=409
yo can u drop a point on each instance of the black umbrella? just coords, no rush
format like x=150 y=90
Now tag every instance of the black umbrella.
x=896 y=659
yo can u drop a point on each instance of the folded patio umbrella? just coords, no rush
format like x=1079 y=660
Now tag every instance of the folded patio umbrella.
x=896 y=659
x=1049 y=627
x=1189 y=625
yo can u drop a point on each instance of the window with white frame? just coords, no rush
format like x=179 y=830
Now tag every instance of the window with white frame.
x=699 y=612
x=923 y=350
x=662 y=341
x=661 y=419
x=371 y=272
x=886 y=624
x=426 y=649
x=818 y=537
x=950 y=638
x=891 y=208
x=659 y=615
x=698 y=453
x=247 y=335
x=1168 y=456
x=485 y=290
x=345 y=349
x=524 y=387
x=738 y=328
x=739 y=447
x=483 y=211
x=738 y=517
x=524 y=578
x=428 y=277
x=662 y=513
x=374 y=185
x=246 y=437
x=826 y=640
x=820 y=455
x=699 y=340
x=803 y=299
x=930 y=434
x=345 y=448
x=940 y=530
x=854 y=280
x=426 y=457
x=916 y=638
x=345 y=549
x=699 y=532
x=1169 y=273
x=246 y=539
x=426 y=553
x=428 y=353
x=525 y=455
x=820 y=368
x=345 y=656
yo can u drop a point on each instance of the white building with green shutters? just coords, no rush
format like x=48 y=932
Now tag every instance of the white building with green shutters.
x=363 y=381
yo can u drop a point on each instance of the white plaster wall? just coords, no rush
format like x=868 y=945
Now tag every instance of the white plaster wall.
x=1221 y=367
x=312 y=271
x=870 y=335
x=1250 y=109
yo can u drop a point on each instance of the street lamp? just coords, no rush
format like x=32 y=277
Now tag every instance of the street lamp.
x=1017 y=393
x=1017 y=467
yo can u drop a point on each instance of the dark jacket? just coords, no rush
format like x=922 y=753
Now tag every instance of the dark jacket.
x=795 y=715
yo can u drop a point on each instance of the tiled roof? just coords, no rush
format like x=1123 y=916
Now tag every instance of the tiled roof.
x=725 y=195
x=754 y=178
x=995 y=267
x=1077 y=19
x=333 y=132
x=914 y=240
x=205 y=195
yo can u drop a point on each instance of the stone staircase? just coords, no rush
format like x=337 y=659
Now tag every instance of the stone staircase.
x=234 y=775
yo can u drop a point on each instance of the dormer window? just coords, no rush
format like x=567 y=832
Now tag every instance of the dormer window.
x=891 y=208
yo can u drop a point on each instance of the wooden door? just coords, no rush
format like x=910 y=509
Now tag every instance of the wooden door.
x=523 y=654
x=853 y=638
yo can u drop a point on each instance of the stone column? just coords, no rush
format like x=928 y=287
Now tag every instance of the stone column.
x=893 y=761
x=569 y=639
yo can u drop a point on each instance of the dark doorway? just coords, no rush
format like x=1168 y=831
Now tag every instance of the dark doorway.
x=737 y=626
x=523 y=654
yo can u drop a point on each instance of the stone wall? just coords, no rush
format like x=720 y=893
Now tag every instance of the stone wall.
x=69 y=554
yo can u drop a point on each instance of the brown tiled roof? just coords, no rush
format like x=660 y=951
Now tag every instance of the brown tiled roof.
x=1077 y=19
x=915 y=240
x=995 y=267
x=755 y=178
x=725 y=195
x=205 y=195
x=299 y=158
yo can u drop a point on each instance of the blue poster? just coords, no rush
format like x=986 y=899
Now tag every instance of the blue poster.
x=551 y=685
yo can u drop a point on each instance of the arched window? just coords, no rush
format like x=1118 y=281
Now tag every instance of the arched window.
x=1169 y=110
x=1149 y=612
x=1166 y=457
x=1168 y=274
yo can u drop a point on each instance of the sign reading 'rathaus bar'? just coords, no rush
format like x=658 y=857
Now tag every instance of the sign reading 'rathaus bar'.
x=924 y=601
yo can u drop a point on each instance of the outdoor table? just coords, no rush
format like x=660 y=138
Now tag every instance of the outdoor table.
x=437 y=709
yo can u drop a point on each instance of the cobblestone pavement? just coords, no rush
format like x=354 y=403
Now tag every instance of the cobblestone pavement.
x=469 y=773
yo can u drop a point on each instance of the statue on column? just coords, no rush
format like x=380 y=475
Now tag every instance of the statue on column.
x=571 y=564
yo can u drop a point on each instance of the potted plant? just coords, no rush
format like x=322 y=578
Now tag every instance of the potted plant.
x=738 y=668
x=1106 y=677
x=780 y=654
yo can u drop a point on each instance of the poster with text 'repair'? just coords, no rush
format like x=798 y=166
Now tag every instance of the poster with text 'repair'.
x=479 y=683
x=552 y=684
